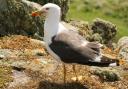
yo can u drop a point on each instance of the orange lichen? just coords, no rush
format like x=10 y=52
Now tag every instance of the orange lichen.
x=122 y=61
x=114 y=54
x=109 y=52
x=18 y=42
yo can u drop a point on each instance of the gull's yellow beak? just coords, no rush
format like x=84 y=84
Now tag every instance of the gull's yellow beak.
x=36 y=13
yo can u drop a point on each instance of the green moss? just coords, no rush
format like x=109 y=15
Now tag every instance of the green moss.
x=5 y=76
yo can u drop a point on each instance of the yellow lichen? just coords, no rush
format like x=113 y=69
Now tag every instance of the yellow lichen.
x=5 y=76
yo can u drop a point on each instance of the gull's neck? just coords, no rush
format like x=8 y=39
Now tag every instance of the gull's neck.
x=51 y=27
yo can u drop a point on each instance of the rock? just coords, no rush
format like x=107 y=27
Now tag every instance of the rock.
x=96 y=37
x=105 y=29
x=15 y=18
x=37 y=42
x=19 y=65
x=19 y=79
x=5 y=76
x=19 y=42
x=70 y=26
x=38 y=52
x=100 y=30
x=4 y=53
x=3 y=4
x=2 y=56
x=123 y=47
x=83 y=28
x=107 y=74
x=122 y=41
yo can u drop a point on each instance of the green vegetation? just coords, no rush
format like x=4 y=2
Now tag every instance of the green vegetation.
x=115 y=11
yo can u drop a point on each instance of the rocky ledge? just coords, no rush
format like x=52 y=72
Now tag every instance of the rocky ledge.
x=25 y=64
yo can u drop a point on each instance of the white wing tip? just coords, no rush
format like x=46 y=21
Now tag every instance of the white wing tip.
x=112 y=64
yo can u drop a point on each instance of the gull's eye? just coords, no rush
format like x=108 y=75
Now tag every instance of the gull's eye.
x=47 y=8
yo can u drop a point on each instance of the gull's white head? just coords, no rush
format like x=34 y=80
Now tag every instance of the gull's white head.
x=50 y=10
x=51 y=25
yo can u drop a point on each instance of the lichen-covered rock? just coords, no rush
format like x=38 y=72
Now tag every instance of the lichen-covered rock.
x=107 y=75
x=15 y=18
x=30 y=67
x=83 y=28
x=96 y=37
x=105 y=29
x=100 y=30
x=5 y=76
x=19 y=79
x=123 y=47
x=122 y=41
